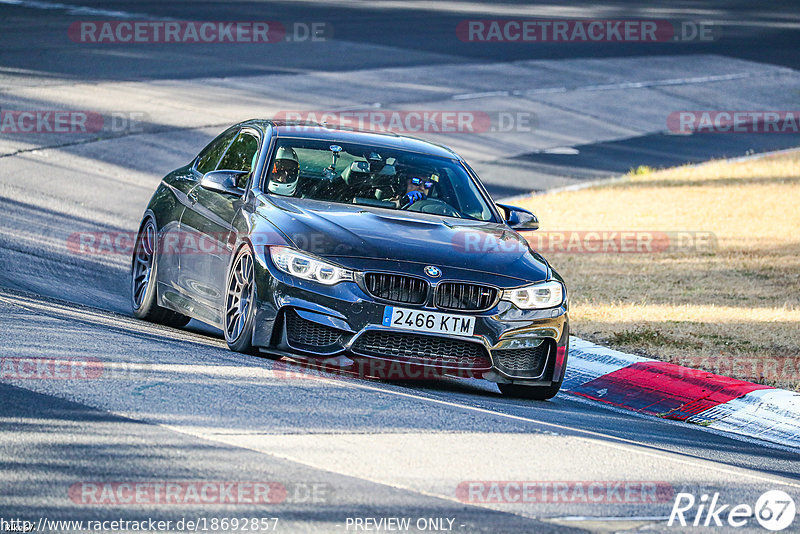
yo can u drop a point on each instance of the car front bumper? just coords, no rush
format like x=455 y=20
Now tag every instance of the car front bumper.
x=504 y=333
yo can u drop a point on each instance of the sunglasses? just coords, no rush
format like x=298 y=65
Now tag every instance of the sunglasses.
x=421 y=181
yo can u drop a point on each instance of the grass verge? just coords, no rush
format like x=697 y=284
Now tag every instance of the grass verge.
x=711 y=275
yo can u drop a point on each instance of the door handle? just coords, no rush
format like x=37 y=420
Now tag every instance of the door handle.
x=192 y=197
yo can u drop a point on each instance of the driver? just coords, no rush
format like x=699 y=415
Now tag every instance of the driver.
x=285 y=171
x=417 y=187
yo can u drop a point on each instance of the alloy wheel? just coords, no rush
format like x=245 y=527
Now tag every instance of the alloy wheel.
x=143 y=263
x=240 y=296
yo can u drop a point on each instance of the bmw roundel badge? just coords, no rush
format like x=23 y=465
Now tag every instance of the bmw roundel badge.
x=433 y=272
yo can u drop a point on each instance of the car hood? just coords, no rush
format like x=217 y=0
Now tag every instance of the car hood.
x=350 y=234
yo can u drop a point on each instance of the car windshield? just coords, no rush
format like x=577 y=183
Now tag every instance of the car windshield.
x=376 y=176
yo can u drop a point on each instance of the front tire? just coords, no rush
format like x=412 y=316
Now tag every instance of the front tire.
x=240 y=298
x=144 y=264
x=529 y=392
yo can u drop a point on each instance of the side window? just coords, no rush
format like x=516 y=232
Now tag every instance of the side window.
x=240 y=156
x=210 y=155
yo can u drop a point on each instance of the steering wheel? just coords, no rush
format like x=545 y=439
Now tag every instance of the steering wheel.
x=433 y=206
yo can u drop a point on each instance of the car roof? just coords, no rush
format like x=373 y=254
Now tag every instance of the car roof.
x=325 y=132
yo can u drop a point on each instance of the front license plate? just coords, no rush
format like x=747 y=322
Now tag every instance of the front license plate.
x=431 y=322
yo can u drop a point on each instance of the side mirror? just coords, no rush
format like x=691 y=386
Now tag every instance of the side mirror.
x=518 y=218
x=223 y=182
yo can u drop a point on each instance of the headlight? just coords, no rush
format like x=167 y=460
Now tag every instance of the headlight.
x=536 y=296
x=308 y=267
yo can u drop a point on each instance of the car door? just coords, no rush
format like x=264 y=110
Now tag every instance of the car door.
x=181 y=184
x=207 y=235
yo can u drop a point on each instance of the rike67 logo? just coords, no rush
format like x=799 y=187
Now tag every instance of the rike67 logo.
x=774 y=510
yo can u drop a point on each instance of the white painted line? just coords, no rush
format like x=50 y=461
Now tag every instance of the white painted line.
x=563 y=150
x=471 y=96
x=615 y=442
x=87 y=314
x=588 y=518
x=673 y=81
x=77 y=10
x=694 y=80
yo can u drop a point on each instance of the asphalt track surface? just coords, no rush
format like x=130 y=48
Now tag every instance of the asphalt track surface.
x=176 y=405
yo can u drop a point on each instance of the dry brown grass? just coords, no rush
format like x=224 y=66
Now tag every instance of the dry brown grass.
x=734 y=311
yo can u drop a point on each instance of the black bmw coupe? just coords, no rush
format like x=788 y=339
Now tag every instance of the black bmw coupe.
x=319 y=243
